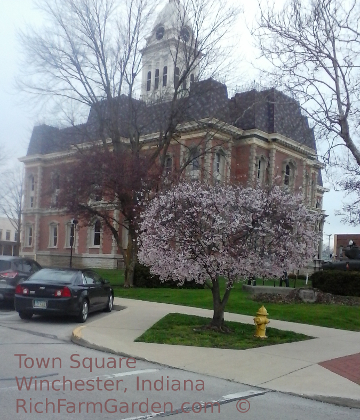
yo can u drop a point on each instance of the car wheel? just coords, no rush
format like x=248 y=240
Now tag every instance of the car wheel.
x=25 y=315
x=84 y=312
x=110 y=304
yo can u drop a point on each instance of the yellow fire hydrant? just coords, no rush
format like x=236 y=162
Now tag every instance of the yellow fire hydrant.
x=261 y=321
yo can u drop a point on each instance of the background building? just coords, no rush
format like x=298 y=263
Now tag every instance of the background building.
x=8 y=237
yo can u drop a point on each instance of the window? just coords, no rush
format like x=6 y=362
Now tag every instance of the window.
x=96 y=234
x=192 y=79
x=176 y=77
x=157 y=75
x=31 y=191
x=148 y=83
x=16 y=235
x=194 y=163
x=70 y=234
x=53 y=235
x=168 y=165
x=184 y=81
x=0 y=234
x=219 y=166
x=289 y=169
x=260 y=170
x=287 y=175
x=7 y=235
x=29 y=235
x=165 y=76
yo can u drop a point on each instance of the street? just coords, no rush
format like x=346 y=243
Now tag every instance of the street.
x=44 y=375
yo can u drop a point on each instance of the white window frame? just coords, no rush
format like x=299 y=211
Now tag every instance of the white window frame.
x=69 y=231
x=29 y=235
x=219 y=166
x=8 y=235
x=53 y=235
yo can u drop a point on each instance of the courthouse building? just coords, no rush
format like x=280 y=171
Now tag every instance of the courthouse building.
x=253 y=137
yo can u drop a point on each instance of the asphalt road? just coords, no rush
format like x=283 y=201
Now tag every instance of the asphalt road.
x=44 y=375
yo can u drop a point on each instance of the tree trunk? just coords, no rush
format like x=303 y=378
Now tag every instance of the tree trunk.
x=130 y=259
x=218 y=316
x=219 y=305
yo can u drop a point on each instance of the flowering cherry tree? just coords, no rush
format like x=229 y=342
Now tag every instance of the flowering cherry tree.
x=201 y=232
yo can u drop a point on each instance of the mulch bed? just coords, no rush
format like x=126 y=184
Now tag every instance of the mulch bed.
x=293 y=297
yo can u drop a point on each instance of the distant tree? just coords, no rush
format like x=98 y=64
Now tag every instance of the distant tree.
x=201 y=232
x=11 y=199
x=88 y=56
x=313 y=48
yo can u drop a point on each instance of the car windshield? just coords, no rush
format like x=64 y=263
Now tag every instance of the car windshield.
x=54 y=276
x=5 y=265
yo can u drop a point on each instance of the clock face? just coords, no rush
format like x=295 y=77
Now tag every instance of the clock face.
x=160 y=33
x=185 y=34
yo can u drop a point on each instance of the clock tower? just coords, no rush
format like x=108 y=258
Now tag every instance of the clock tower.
x=168 y=55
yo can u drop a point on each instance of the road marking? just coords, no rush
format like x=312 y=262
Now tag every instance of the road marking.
x=114 y=375
x=223 y=400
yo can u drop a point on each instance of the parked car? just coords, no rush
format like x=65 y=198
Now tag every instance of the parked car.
x=14 y=270
x=64 y=292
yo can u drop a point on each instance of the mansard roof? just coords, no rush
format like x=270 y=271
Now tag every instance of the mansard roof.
x=269 y=111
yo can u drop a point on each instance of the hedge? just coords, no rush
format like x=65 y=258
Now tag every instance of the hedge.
x=343 y=283
x=143 y=278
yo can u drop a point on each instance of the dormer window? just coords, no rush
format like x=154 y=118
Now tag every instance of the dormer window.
x=160 y=33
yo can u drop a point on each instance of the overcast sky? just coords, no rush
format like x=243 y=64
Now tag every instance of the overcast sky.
x=17 y=117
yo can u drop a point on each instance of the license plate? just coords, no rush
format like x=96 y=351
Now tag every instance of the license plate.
x=40 y=304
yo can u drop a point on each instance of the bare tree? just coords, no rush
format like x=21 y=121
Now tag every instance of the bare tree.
x=88 y=56
x=11 y=199
x=313 y=48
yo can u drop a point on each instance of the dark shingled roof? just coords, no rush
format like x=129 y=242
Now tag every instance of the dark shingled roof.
x=270 y=111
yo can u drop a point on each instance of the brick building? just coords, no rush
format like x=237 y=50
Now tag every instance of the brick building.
x=341 y=241
x=252 y=137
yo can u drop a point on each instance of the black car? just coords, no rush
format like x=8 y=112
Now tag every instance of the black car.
x=14 y=270
x=64 y=292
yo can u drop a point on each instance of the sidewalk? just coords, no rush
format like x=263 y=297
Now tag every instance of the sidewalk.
x=325 y=368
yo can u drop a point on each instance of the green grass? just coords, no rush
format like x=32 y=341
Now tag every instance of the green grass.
x=240 y=302
x=179 y=329
x=115 y=277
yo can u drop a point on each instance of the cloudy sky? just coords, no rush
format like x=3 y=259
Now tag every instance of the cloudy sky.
x=17 y=117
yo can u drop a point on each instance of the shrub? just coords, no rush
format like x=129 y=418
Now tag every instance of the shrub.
x=143 y=278
x=343 y=283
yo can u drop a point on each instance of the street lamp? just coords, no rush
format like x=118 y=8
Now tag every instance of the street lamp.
x=73 y=222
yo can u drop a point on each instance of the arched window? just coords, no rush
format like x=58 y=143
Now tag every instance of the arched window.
x=148 y=83
x=165 y=76
x=157 y=75
x=176 y=77
x=289 y=173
